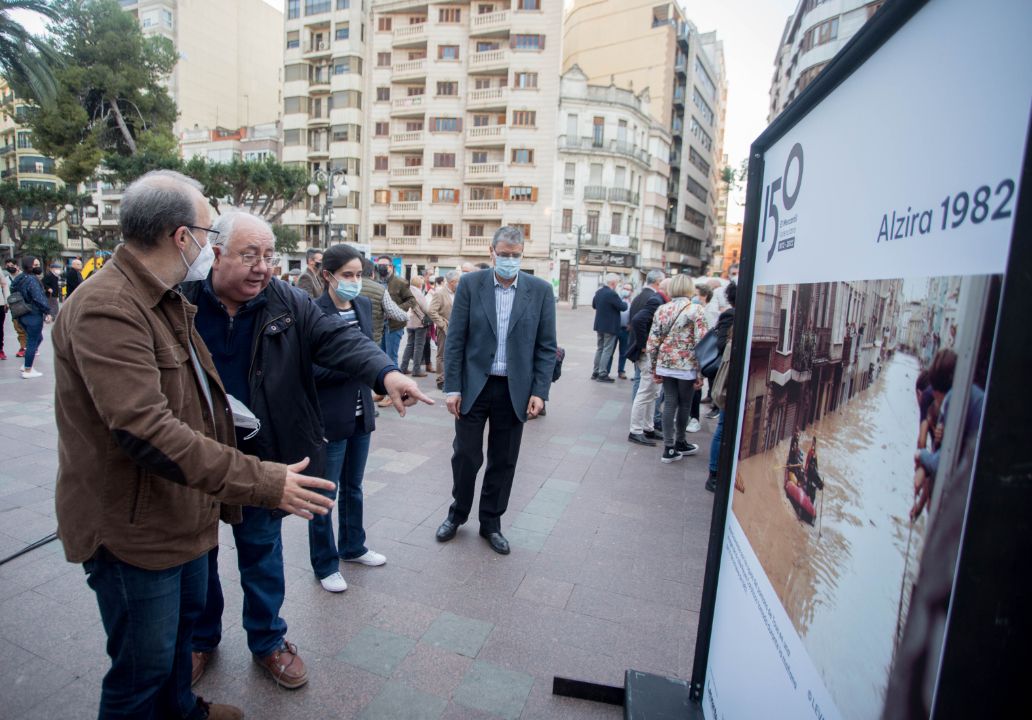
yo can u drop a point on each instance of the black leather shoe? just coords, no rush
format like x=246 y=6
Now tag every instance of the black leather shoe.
x=652 y=434
x=497 y=542
x=640 y=439
x=447 y=531
x=605 y=379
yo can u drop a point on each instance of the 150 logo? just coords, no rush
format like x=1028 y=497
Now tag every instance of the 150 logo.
x=784 y=227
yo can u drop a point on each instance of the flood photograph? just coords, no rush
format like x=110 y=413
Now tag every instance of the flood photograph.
x=835 y=480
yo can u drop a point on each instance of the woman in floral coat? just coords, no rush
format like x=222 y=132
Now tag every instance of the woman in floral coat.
x=677 y=327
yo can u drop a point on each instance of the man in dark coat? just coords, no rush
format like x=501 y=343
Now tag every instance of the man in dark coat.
x=652 y=281
x=608 y=307
x=73 y=277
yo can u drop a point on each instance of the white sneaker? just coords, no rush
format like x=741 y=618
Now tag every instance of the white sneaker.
x=26 y=374
x=370 y=558
x=334 y=583
x=693 y=425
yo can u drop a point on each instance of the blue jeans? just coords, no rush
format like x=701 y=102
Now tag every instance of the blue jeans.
x=714 y=448
x=33 y=324
x=393 y=342
x=345 y=465
x=260 y=559
x=148 y=616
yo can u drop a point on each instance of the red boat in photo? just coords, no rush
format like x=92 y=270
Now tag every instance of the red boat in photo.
x=800 y=501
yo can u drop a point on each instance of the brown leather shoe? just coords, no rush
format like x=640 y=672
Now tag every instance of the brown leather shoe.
x=219 y=712
x=286 y=666
x=200 y=661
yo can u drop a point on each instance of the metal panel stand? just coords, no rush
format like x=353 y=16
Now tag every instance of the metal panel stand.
x=644 y=696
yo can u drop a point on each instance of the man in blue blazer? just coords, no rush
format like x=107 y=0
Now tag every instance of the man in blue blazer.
x=498 y=360
x=608 y=307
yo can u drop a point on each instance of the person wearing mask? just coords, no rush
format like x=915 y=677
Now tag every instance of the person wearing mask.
x=311 y=279
x=676 y=328
x=415 y=329
x=499 y=361
x=31 y=289
x=623 y=336
x=401 y=294
x=264 y=338
x=643 y=407
x=440 y=312
x=73 y=277
x=5 y=290
x=12 y=271
x=52 y=287
x=383 y=307
x=146 y=458
x=348 y=416
x=725 y=323
x=608 y=306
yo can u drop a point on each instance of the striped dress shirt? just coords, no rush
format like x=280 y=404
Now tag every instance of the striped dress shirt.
x=503 y=309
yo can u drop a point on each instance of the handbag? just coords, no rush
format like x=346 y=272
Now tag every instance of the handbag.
x=557 y=371
x=719 y=387
x=707 y=355
x=16 y=303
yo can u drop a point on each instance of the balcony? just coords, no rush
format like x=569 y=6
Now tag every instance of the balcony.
x=488 y=61
x=319 y=149
x=403 y=242
x=408 y=35
x=595 y=192
x=476 y=244
x=482 y=208
x=616 y=147
x=405 y=209
x=314 y=49
x=411 y=105
x=623 y=195
x=675 y=159
x=484 y=171
x=679 y=95
x=495 y=23
x=409 y=70
x=319 y=120
x=6 y=149
x=488 y=98
x=614 y=242
x=491 y=135
x=407 y=175
x=404 y=140
x=111 y=190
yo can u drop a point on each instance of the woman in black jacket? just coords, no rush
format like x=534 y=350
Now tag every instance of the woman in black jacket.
x=348 y=415
x=723 y=329
x=28 y=284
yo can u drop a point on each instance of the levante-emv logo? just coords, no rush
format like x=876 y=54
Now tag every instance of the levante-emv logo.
x=779 y=198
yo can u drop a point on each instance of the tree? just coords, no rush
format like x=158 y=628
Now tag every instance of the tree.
x=27 y=61
x=45 y=247
x=111 y=102
x=287 y=238
x=28 y=212
x=266 y=188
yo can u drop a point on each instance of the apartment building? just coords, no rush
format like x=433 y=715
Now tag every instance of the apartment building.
x=611 y=182
x=638 y=44
x=222 y=145
x=461 y=126
x=230 y=58
x=813 y=34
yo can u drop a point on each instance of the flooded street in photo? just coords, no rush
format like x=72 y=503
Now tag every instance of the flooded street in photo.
x=840 y=579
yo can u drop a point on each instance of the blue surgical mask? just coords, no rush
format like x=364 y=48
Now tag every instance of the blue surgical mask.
x=348 y=290
x=507 y=267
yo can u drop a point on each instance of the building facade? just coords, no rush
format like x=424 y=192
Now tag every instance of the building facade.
x=813 y=34
x=610 y=190
x=222 y=145
x=637 y=44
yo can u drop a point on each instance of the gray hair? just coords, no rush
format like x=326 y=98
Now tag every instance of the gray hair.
x=155 y=204
x=654 y=276
x=225 y=224
x=612 y=277
x=507 y=234
x=311 y=253
x=451 y=275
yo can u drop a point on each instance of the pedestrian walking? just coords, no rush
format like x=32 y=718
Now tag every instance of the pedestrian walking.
x=677 y=327
x=608 y=306
x=264 y=338
x=401 y=294
x=311 y=279
x=28 y=285
x=440 y=312
x=500 y=357
x=12 y=270
x=349 y=419
x=52 y=287
x=145 y=451
x=415 y=331
x=5 y=290
x=72 y=277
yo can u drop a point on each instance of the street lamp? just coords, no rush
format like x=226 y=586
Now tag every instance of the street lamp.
x=330 y=178
x=81 y=211
x=582 y=234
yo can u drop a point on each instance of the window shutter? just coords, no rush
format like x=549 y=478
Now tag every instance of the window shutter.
x=433 y=195
x=541 y=42
x=458 y=124
x=533 y=194
x=506 y=193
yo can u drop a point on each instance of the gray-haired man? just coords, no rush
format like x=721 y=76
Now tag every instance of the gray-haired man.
x=440 y=312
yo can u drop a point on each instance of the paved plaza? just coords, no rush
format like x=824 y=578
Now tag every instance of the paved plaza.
x=605 y=573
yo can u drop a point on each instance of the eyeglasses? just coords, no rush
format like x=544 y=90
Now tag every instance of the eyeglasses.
x=251 y=259
x=213 y=235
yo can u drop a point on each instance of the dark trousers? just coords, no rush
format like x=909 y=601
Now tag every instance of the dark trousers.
x=33 y=324
x=345 y=465
x=696 y=399
x=3 y=321
x=260 y=559
x=714 y=448
x=493 y=407
x=623 y=339
x=148 y=616
x=677 y=407
x=604 y=349
x=414 y=341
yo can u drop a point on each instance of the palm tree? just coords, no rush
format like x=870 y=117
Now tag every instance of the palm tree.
x=26 y=61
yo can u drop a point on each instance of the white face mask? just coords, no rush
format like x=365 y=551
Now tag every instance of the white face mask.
x=201 y=265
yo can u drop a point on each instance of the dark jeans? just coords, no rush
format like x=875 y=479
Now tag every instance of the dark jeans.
x=604 y=354
x=415 y=338
x=493 y=406
x=260 y=559
x=3 y=321
x=392 y=341
x=622 y=340
x=676 y=409
x=714 y=448
x=696 y=400
x=148 y=616
x=345 y=465
x=33 y=324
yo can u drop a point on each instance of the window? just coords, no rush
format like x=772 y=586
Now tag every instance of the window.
x=449 y=15
x=528 y=4
x=410 y=195
x=346 y=133
x=380 y=162
x=444 y=160
x=524 y=118
x=413 y=125
x=567 y=220
x=695 y=189
x=293 y=105
x=479 y=157
x=343 y=4
x=383 y=59
x=704 y=139
x=525 y=80
x=314 y=7
x=345 y=99
x=695 y=217
x=345 y=65
x=704 y=78
x=293 y=137
x=521 y=193
x=569 y=178
x=445 y=195
x=445 y=124
x=293 y=9
x=379 y=229
x=440 y=230
x=481 y=120
x=703 y=106
x=166 y=18
x=598 y=131
x=295 y=72
x=382 y=129
x=383 y=94
x=449 y=87
x=24 y=139
x=447 y=52
x=696 y=159
x=616 y=224
x=527 y=42
x=383 y=23
x=411 y=229
x=414 y=160
x=381 y=197
x=524 y=230
x=476 y=230
x=487 y=46
x=477 y=192
x=414 y=90
x=293 y=40
x=522 y=156
x=342 y=32
x=592 y=224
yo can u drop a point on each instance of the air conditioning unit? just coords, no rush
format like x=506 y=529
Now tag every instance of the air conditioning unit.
x=321 y=46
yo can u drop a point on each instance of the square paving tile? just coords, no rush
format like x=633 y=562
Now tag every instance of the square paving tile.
x=398 y=701
x=378 y=651
x=459 y=634
x=433 y=670
x=495 y=690
x=537 y=523
x=545 y=591
x=526 y=539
